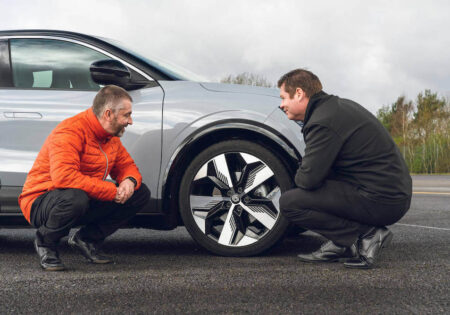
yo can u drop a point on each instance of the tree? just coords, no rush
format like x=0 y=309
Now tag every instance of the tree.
x=430 y=112
x=431 y=121
x=384 y=115
x=247 y=78
x=396 y=120
x=422 y=132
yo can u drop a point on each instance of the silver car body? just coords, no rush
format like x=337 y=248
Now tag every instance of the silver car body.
x=172 y=118
x=164 y=117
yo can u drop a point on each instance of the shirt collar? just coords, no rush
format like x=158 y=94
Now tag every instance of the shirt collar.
x=100 y=133
x=313 y=101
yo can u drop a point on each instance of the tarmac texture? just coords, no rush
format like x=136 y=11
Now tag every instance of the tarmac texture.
x=167 y=272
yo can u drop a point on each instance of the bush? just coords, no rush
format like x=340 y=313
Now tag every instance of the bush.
x=421 y=131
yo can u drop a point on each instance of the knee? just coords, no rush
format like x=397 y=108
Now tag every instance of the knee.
x=70 y=205
x=76 y=200
x=288 y=200
x=290 y=203
x=144 y=193
x=141 y=196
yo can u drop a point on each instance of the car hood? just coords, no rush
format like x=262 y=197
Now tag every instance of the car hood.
x=206 y=99
x=238 y=88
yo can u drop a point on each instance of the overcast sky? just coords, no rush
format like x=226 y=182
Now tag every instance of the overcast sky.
x=371 y=52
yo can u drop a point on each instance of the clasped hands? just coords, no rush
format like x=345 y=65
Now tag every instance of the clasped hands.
x=124 y=191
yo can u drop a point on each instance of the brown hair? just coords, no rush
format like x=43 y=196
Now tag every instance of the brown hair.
x=109 y=95
x=300 y=78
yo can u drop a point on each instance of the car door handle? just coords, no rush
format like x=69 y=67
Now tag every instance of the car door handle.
x=22 y=115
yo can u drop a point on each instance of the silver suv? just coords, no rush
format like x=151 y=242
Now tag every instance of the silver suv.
x=216 y=157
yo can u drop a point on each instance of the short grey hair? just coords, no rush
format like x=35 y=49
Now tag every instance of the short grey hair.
x=109 y=95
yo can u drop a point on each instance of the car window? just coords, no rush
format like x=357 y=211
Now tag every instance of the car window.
x=5 y=68
x=48 y=63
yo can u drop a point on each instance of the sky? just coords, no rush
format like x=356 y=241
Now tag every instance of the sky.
x=370 y=52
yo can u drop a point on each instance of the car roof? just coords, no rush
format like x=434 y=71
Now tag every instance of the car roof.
x=43 y=32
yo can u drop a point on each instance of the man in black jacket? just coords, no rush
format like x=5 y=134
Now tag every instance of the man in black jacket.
x=352 y=180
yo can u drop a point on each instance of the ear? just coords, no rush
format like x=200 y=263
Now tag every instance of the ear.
x=107 y=114
x=299 y=92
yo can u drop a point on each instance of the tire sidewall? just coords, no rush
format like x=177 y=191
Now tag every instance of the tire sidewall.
x=281 y=175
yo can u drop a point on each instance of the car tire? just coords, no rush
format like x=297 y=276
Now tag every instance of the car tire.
x=241 y=218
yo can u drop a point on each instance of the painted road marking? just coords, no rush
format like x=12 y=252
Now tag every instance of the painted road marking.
x=430 y=193
x=423 y=226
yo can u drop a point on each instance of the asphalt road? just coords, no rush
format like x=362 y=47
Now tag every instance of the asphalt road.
x=166 y=272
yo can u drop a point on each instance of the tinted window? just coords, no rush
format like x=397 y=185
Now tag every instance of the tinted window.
x=47 y=63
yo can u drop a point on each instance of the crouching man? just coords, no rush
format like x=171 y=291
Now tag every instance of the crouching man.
x=67 y=186
x=352 y=181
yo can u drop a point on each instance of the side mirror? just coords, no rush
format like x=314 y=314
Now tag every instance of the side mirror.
x=110 y=71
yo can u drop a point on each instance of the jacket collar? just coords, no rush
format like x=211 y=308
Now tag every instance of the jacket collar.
x=100 y=133
x=313 y=101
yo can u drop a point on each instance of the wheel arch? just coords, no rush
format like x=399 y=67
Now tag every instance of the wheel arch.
x=214 y=133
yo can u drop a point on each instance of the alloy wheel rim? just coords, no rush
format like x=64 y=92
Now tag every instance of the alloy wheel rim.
x=234 y=199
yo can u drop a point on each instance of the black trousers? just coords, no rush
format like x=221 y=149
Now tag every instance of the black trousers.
x=57 y=211
x=338 y=211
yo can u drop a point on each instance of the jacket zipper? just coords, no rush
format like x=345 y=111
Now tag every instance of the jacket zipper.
x=106 y=171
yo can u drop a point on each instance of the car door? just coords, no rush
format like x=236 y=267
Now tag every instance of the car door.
x=50 y=81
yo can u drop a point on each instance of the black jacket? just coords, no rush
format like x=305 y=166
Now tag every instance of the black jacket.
x=346 y=142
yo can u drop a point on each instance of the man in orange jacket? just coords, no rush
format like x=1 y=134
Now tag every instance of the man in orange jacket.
x=67 y=184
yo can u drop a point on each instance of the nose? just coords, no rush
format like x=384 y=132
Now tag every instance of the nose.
x=130 y=120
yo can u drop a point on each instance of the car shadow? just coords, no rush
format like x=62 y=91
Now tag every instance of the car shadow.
x=128 y=242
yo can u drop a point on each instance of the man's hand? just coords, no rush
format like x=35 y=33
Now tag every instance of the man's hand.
x=124 y=191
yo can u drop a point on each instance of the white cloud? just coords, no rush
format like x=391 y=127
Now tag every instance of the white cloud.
x=370 y=52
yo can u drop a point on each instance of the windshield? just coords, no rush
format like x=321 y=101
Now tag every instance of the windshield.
x=165 y=66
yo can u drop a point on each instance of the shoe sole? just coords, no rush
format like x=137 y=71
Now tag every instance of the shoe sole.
x=358 y=266
x=100 y=262
x=324 y=261
x=318 y=261
x=53 y=268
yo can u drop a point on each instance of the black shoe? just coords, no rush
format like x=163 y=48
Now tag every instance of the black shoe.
x=330 y=252
x=48 y=258
x=88 y=250
x=369 y=247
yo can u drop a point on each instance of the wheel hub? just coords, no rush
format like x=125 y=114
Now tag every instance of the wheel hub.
x=235 y=198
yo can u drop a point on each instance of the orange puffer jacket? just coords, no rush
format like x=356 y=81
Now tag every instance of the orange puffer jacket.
x=79 y=153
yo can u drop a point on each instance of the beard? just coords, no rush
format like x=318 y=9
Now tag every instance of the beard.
x=119 y=130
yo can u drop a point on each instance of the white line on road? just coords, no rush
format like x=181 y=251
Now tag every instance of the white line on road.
x=430 y=193
x=423 y=226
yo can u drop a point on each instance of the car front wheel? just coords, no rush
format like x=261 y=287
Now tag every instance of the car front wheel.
x=229 y=198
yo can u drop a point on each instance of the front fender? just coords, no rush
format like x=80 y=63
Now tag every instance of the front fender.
x=215 y=132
